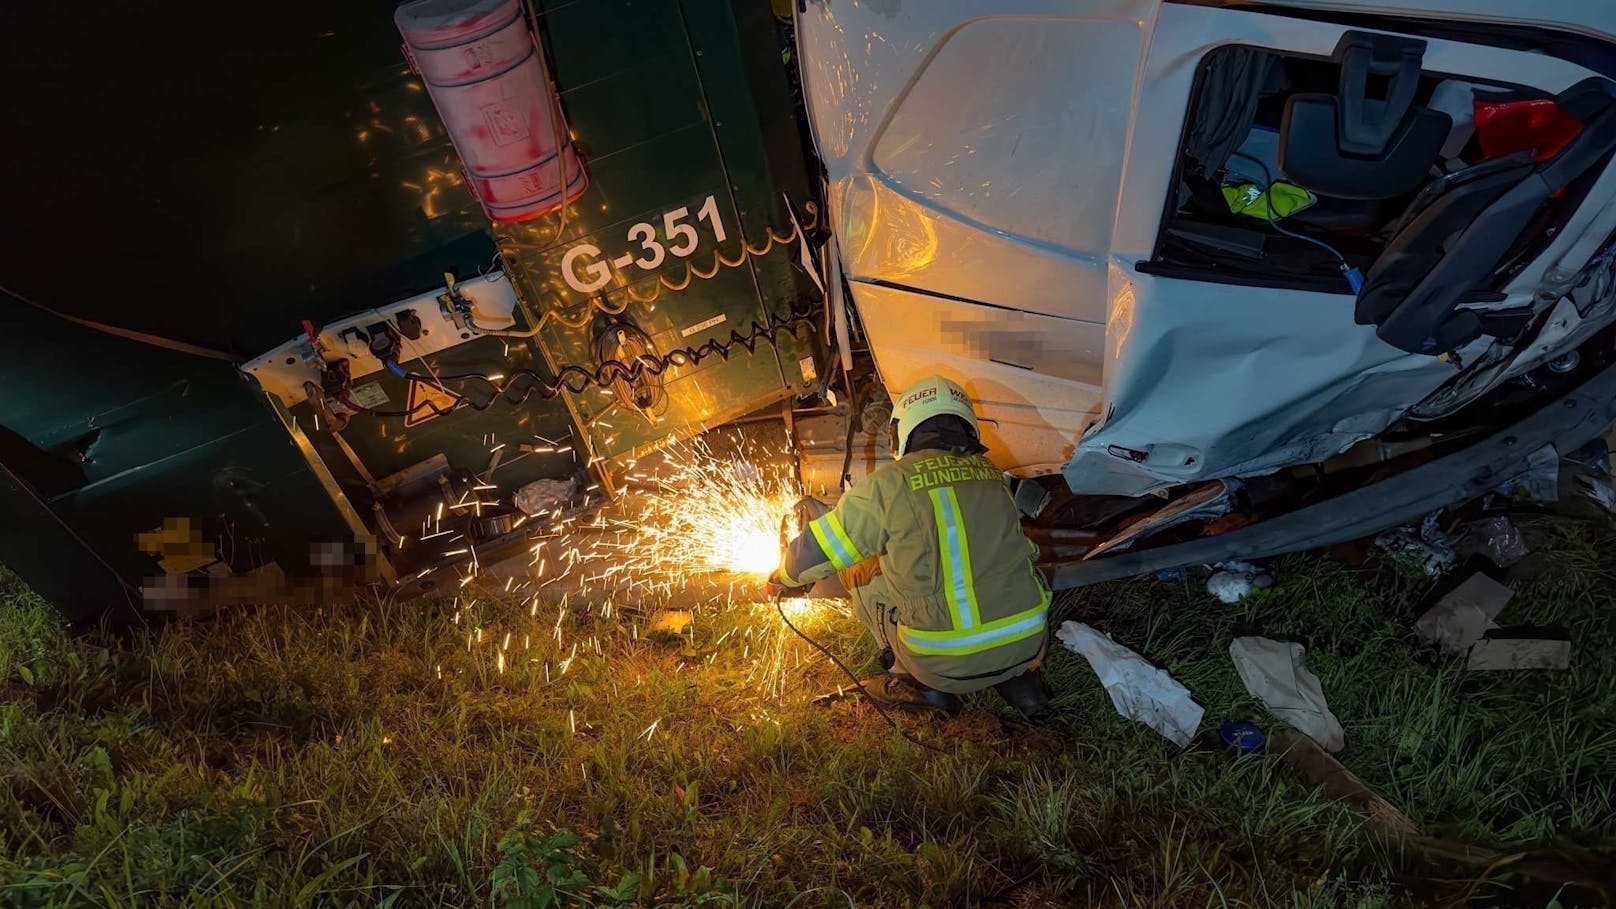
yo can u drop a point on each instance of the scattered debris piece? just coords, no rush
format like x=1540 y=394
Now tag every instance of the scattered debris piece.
x=1229 y=586
x=1495 y=537
x=1503 y=654
x=1429 y=546
x=1593 y=458
x=1464 y=615
x=672 y=621
x=495 y=458
x=1557 y=865
x=1324 y=771
x=1599 y=490
x=1138 y=690
x=1241 y=737
x=1206 y=502
x=1460 y=621
x=1585 y=473
x=1031 y=498
x=1232 y=582
x=1352 y=553
x=1274 y=674
x=1538 y=481
x=545 y=495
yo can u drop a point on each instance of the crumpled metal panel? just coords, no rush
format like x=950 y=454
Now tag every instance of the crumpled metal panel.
x=1032 y=195
x=1242 y=382
x=1206 y=380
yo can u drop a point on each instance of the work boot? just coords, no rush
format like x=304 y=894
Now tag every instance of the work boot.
x=903 y=691
x=1027 y=693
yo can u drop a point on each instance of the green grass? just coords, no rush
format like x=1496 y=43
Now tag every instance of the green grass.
x=367 y=754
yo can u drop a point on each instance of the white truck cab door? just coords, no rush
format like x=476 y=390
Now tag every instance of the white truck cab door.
x=1003 y=177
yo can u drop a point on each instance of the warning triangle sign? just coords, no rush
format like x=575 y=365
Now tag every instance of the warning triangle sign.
x=427 y=400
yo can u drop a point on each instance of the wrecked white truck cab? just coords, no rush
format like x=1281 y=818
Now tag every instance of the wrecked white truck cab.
x=1167 y=244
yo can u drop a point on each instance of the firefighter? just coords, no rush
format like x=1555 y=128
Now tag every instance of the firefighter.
x=931 y=551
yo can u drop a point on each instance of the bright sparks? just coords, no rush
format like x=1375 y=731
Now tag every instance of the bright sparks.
x=698 y=525
x=709 y=513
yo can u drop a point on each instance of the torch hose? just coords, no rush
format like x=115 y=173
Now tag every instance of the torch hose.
x=779 y=605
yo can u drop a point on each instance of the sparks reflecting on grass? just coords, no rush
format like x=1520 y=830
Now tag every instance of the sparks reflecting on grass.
x=664 y=579
x=782 y=657
x=694 y=534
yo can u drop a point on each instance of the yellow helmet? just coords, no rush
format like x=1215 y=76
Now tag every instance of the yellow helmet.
x=930 y=397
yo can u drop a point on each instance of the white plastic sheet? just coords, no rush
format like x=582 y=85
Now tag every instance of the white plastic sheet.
x=1138 y=690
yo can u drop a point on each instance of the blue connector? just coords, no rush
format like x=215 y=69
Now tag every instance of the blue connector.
x=1355 y=278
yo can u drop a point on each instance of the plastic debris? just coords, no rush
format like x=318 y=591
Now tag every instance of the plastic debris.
x=1592 y=458
x=1232 y=582
x=1229 y=586
x=1428 y=546
x=1274 y=674
x=1496 y=537
x=545 y=495
x=1504 y=127
x=1464 y=615
x=1498 y=654
x=1585 y=476
x=1538 y=481
x=1138 y=690
x=1241 y=737
x=1599 y=490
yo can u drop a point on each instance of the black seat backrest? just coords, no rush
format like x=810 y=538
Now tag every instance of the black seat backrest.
x=1459 y=228
x=1354 y=146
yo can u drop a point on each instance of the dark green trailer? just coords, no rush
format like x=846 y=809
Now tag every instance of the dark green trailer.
x=189 y=192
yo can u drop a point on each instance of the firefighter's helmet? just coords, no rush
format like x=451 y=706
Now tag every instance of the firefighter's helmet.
x=930 y=397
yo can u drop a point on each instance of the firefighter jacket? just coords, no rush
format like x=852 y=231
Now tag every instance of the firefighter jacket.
x=968 y=602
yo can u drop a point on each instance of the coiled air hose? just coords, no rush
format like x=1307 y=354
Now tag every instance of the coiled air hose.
x=515 y=388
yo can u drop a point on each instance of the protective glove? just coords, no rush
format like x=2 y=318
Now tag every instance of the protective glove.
x=776 y=586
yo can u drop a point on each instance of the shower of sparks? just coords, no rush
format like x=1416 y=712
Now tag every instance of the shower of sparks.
x=716 y=514
x=695 y=527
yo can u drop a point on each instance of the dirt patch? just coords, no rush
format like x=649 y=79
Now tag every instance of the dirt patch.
x=982 y=728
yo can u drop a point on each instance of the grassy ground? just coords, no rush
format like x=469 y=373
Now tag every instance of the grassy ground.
x=509 y=753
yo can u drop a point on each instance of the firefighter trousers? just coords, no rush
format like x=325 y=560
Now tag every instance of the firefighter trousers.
x=877 y=610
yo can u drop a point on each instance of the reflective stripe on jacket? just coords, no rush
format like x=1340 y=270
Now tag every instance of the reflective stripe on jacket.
x=949 y=540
